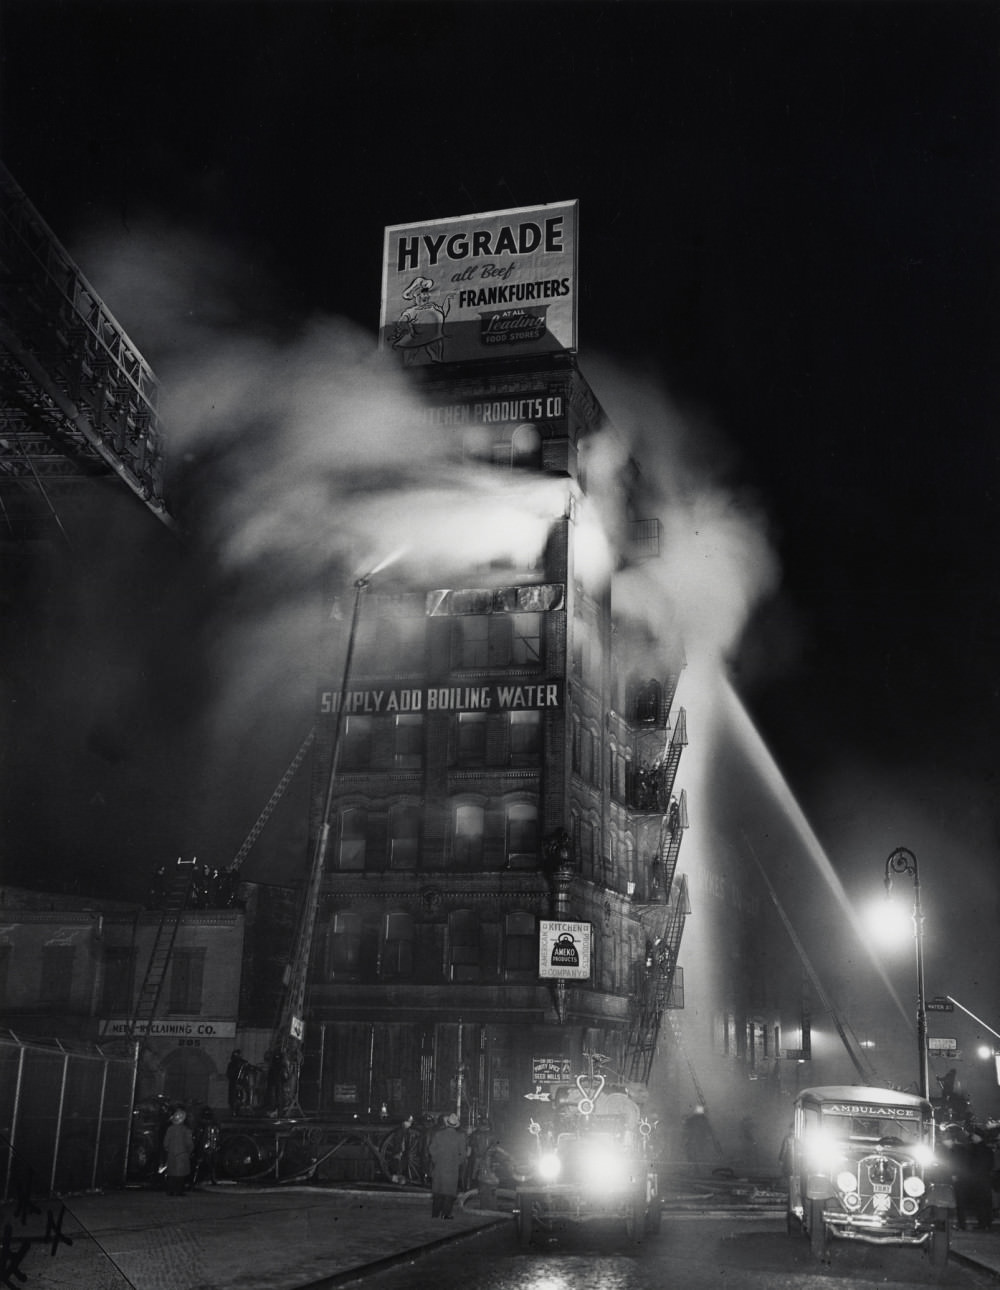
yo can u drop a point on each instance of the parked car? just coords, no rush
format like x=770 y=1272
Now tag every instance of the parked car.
x=862 y=1167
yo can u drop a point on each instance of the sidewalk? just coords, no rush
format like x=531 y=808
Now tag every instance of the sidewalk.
x=228 y=1238
x=979 y=1249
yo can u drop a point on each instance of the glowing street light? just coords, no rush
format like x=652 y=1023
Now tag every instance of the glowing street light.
x=902 y=860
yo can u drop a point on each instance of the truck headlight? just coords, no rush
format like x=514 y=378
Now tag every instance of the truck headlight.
x=923 y=1154
x=549 y=1167
x=914 y=1186
x=822 y=1151
x=604 y=1168
x=847 y=1181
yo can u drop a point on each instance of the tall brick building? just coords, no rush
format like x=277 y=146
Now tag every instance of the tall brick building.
x=496 y=763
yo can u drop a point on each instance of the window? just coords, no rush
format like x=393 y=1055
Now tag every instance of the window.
x=187 y=974
x=526 y=646
x=57 y=973
x=397 y=949
x=467 y=843
x=404 y=836
x=522 y=836
x=648 y=703
x=587 y=756
x=353 y=838
x=409 y=746
x=356 y=744
x=463 y=945
x=470 y=739
x=497 y=640
x=345 y=944
x=525 y=737
x=520 y=945
x=116 y=987
x=470 y=639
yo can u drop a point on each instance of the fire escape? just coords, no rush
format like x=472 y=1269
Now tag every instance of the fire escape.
x=662 y=905
x=78 y=400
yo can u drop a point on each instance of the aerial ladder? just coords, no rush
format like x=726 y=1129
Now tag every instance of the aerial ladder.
x=289 y=1035
x=177 y=893
x=78 y=399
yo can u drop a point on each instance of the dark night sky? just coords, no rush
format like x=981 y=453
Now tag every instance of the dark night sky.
x=788 y=229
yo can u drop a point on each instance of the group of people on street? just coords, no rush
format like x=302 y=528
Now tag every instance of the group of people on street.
x=449 y=1159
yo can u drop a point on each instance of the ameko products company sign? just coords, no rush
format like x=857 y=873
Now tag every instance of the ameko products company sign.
x=564 y=950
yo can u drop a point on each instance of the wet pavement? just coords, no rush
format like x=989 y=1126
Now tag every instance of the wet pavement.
x=234 y=1237
x=227 y=1238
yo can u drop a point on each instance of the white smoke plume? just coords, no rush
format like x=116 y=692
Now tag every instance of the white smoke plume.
x=716 y=561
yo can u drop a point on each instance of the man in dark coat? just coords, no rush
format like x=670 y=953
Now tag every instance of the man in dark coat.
x=978 y=1177
x=178 y=1142
x=448 y=1150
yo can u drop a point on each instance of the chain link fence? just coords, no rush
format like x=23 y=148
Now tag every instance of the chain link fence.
x=65 y=1117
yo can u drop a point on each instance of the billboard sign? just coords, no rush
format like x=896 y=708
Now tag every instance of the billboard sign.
x=563 y=950
x=498 y=284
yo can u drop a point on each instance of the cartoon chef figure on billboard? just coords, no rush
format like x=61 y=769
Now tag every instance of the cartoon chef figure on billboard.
x=419 y=334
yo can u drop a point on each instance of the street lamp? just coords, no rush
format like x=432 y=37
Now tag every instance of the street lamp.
x=902 y=860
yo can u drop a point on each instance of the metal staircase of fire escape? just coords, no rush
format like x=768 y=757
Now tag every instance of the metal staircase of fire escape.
x=175 y=899
x=657 y=972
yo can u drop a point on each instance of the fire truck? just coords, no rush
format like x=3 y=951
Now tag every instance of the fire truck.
x=593 y=1164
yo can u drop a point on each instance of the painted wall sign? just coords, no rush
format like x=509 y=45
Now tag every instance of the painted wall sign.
x=169 y=1029
x=387 y=700
x=489 y=285
x=563 y=950
x=496 y=412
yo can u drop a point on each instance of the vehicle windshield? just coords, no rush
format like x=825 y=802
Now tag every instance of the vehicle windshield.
x=898 y=1126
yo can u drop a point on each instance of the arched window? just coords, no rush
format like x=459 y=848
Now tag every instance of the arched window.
x=467 y=840
x=587 y=757
x=648 y=701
